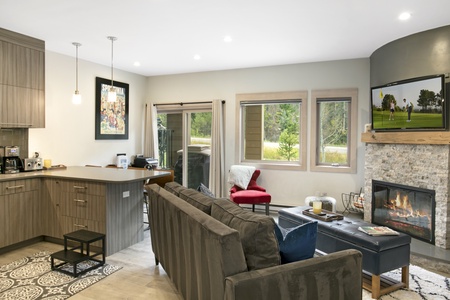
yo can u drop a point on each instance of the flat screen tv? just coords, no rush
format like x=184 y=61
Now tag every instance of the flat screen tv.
x=416 y=104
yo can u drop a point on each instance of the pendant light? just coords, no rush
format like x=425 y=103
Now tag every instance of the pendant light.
x=112 y=96
x=76 y=98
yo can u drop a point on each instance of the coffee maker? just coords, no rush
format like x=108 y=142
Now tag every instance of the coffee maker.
x=10 y=159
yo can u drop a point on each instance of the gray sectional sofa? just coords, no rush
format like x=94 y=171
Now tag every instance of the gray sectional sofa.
x=213 y=249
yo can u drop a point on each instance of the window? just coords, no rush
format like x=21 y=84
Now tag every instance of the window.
x=272 y=129
x=333 y=130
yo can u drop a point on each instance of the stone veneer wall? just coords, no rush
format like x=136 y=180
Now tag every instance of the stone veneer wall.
x=423 y=166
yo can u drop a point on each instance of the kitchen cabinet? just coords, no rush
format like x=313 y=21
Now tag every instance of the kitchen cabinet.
x=51 y=203
x=21 y=207
x=22 y=81
x=83 y=206
x=51 y=198
x=74 y=205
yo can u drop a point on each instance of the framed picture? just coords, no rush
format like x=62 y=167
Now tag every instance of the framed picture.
x=111 y=118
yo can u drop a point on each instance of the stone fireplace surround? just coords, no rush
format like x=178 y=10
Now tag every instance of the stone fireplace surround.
x=414 y=161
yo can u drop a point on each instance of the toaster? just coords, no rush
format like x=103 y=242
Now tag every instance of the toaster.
x=32 y=164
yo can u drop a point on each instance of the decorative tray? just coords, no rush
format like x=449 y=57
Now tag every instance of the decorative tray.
x=56 y=167
x=325 y=215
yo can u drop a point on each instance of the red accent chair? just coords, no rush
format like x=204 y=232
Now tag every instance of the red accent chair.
x=254 y=194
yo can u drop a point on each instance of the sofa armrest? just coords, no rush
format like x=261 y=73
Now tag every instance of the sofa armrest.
x=334 y=276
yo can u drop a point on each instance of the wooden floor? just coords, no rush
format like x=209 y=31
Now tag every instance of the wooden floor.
x=139 y=278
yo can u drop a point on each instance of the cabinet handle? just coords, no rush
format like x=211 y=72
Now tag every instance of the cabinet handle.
x=78 y=225
x=18 y=125
x=15 y=187
x=80 y=187
x=79 y=200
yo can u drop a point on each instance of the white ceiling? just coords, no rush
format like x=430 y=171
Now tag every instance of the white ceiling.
x=164 y=35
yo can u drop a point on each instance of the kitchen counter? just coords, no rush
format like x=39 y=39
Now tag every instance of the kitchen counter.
x=50 y=203
x=107 y=175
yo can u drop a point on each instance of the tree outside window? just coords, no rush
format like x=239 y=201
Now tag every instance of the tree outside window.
x=334 y=130
x=277 y=126
x=273 y=129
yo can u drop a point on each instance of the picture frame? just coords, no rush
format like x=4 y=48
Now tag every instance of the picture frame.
x=111 y=118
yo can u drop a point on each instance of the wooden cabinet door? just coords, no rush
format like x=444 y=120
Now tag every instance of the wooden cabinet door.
x=3 y=221
x=24 y=220
x=51 y=210
x=22 y=81
x=21 y=205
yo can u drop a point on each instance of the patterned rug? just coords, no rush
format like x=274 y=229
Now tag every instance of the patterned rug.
x=32 y=278
x=423 y=285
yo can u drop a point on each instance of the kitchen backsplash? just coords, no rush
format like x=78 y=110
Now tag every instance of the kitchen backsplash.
x=15 y=137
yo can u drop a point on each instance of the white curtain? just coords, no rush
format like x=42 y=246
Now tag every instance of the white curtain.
x=217 y=164
x=151 y=131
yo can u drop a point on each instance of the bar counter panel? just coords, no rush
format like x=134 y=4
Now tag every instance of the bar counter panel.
x=106 y=200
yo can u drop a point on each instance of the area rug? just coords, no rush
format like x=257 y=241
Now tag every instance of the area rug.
x=32 y=278
x=423 y=285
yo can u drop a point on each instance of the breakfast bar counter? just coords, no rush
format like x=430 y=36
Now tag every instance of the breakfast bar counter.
x=50 y=203
x=110 y=175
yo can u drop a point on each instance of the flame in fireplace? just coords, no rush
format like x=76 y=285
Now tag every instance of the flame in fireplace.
x=401 y=207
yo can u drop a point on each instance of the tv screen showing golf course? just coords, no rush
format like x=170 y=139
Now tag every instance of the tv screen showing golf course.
x=413 y=104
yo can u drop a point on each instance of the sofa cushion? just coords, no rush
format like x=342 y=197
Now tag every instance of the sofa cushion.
x=256 y=232
x=174 y=187
x=297 y=243
x=197 y=199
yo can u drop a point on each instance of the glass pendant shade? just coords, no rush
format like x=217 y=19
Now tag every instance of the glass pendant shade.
x=112 y=96
x=76 y=97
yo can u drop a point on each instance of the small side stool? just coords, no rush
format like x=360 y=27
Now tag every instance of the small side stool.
x=251 y=197
x=70 y=256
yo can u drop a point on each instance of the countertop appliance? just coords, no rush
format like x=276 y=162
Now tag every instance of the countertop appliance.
x=10 y=160
x=143 y=162
x=33 y=164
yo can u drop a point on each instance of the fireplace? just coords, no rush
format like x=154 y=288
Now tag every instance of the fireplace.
x=408 y=209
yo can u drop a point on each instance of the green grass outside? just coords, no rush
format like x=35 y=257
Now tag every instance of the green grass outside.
x=418 y=120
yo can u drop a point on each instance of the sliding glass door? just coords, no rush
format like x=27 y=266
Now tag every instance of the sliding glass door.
x=184 y=144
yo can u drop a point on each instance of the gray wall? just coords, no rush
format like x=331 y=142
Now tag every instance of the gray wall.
x=287 y=187
x=420 y=54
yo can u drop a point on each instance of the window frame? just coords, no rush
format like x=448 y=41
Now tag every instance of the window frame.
x=316 y=97
x=273 y=97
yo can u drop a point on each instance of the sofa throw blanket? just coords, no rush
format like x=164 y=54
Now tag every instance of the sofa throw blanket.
x=240 y=175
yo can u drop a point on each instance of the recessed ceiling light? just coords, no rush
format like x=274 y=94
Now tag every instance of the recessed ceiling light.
x=227 y=39
x=137 y=64
x=197 y=57
x=404 y=16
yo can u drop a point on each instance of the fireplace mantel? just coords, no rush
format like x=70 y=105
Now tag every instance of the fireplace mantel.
x=410 y=137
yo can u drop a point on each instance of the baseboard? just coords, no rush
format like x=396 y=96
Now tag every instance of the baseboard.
x=21 y=244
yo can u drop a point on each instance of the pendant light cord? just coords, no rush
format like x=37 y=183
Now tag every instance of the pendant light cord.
x=76 y=73
x=112 y=38
x=76 y=66
x=112 y=62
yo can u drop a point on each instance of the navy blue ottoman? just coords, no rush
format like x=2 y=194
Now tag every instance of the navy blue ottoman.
x=380 y=254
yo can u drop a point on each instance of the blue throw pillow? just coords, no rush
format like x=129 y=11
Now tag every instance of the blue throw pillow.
x=297 y=243
x=204 y=190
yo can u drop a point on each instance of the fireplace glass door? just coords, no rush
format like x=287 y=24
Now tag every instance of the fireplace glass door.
x=403 y=208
